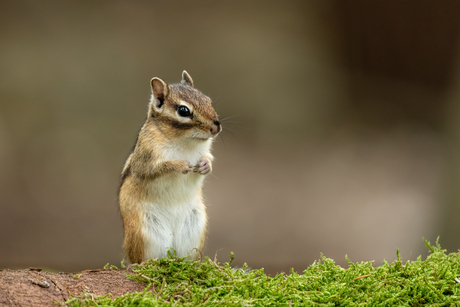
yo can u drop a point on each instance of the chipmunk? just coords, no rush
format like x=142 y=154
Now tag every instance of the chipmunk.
x=160 y=194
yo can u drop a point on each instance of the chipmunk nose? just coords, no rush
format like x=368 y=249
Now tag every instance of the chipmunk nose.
x=215 y=128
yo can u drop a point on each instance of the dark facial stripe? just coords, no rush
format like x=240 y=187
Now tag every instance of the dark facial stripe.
x=175 y=124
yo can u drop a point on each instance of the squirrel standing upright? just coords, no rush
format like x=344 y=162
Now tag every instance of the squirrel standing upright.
x=160 y=194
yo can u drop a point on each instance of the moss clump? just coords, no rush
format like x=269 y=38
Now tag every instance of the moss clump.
x=176 y=281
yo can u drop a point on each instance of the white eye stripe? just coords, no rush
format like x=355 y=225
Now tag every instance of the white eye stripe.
x=181 y=118
x=185 y=104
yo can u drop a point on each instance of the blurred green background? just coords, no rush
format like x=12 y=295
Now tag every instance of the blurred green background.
x=345 y=137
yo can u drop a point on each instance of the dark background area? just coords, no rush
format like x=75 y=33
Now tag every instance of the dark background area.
x=345 y=137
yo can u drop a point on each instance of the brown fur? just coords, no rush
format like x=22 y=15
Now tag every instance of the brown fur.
x=144 y=164
x=132 y=223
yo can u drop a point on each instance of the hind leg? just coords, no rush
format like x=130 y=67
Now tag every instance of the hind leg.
x=134 y=245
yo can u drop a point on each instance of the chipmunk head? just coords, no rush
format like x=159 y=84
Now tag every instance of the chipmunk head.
x=188 y=112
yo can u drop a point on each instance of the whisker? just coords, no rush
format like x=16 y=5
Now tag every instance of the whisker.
x=214 y=176
x=231 y=121
x=220 y=136
x=234 y=129
x=226 y=132
x=228 y=117
x=216 y=101
x=229 y=129
x=228 y=121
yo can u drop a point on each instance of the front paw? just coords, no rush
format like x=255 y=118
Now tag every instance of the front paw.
x=185 y=167
x=203 y=166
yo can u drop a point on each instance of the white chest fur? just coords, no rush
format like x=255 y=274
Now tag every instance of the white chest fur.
x=174 y=214
x=190 y=150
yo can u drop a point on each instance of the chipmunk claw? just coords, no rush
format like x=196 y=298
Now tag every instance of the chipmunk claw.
x=203 y=166
x=188 y=168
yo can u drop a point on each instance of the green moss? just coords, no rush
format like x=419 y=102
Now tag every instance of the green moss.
x=176 y=281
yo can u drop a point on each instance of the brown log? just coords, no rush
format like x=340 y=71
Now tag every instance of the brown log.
x=31 y=287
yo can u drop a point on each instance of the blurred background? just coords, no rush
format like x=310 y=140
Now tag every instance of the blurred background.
x=344 y=136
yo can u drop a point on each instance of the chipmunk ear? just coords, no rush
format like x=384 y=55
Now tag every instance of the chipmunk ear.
x=160 y=91
x=186 y=79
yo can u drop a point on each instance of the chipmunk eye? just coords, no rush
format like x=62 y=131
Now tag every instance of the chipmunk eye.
x=184 y=111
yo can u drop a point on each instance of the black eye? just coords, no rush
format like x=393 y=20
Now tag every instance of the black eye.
x=184 y=111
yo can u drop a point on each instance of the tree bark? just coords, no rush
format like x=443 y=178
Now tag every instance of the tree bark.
x=31 y=287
